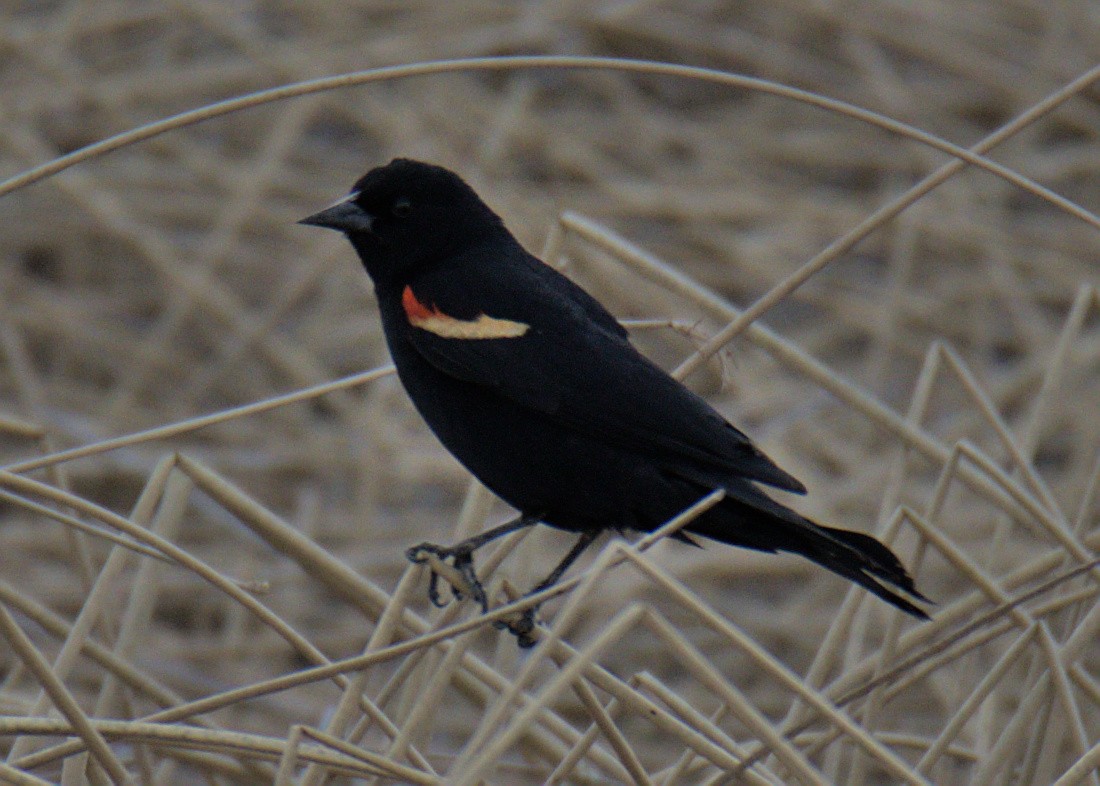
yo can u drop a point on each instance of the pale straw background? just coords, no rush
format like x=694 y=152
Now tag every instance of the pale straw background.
x=934 y=382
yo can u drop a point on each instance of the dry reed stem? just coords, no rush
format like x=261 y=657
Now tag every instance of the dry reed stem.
x=950 y=316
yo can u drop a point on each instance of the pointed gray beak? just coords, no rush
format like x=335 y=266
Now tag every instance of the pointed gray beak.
x=344 y=216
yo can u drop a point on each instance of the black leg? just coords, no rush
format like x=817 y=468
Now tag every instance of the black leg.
x=523 y=627
x=463 y=560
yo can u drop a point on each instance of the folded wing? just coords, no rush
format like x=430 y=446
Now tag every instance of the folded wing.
x=577 y=368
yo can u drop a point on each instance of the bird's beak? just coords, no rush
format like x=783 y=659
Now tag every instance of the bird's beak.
x=343 y=216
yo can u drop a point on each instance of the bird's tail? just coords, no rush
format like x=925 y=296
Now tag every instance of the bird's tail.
x=855 y=556
x=865 y=561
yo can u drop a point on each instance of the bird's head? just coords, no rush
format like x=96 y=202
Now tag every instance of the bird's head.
x=407 y=215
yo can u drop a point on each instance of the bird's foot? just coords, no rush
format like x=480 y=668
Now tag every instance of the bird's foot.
x=522 y=623
x=456 y=565
x=459 y=572
x=523 y=628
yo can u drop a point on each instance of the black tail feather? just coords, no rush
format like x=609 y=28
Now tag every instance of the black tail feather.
x=860 y=559
x=883 y=562
x=853 y=555
x=865 y=577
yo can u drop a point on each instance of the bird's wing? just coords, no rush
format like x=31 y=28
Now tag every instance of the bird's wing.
x=538 y=346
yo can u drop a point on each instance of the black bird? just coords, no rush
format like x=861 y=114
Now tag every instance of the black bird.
x=536 y=389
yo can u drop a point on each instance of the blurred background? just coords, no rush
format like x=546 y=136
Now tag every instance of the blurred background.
x=168 y=280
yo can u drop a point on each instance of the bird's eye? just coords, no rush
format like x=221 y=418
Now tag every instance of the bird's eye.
x=401 y=208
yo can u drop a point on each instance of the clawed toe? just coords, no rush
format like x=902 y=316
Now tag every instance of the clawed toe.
x=419 y=554
x=462 y=561
x=433 y=591
x=446 y=561
x=523 y=628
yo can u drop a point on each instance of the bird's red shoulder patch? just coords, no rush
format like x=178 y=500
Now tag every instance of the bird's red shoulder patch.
x=414 y=309
x=432 y=319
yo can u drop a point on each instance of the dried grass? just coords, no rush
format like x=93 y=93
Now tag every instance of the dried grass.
x=207 y=501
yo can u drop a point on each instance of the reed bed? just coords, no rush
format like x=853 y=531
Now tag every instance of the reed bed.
x=867 y=233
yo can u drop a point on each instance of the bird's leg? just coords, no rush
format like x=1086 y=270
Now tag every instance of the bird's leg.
x=462 y=558
x=522 y=627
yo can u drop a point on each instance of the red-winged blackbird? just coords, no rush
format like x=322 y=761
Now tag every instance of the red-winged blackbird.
x=535 y=388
